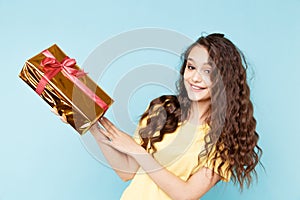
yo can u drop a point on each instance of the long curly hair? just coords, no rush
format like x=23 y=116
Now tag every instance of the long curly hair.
x=230 y=114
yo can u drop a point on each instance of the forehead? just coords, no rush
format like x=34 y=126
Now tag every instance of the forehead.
x=198 y=55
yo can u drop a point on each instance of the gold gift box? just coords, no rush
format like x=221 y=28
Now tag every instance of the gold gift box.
x=70 y=102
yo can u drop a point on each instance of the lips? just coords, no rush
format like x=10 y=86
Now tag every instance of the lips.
x=197 y=88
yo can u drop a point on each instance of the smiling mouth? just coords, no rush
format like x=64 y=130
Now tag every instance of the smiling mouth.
x=197 y=88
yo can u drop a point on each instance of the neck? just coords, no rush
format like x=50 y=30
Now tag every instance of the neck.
x=198 y=112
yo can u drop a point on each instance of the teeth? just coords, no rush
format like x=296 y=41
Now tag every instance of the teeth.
x=195 y=87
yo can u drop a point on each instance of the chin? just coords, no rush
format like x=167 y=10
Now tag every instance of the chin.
x=199 y=98
x=193 y=98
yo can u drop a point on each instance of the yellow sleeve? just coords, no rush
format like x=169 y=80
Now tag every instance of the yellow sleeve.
x=225 y=175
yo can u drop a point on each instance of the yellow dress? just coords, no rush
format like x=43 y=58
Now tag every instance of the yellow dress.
x=178 y=153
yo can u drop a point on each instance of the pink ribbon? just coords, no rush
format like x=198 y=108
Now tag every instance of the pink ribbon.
x=51 y=67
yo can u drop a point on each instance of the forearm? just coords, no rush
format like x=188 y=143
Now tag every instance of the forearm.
x=124 y=165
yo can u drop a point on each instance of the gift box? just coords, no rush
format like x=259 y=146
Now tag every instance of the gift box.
x=66 y=88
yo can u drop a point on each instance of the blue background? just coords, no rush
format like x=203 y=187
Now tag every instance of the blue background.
x=42 y=158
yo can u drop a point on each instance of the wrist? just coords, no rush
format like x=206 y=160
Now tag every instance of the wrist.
x=138 y=152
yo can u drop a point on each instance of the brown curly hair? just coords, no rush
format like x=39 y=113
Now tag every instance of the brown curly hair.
x=230 y=115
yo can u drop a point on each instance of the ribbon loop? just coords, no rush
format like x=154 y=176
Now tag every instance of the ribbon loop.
x=68 y=62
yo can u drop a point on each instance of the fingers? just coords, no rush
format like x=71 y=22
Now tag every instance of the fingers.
x=108 y=135
x=110 y=127
x=107 y=124
x=108 y=142
x=97 y=134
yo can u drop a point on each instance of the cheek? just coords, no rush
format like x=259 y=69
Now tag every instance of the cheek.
x=185 y=82
x=185 y=79
x=208 y=83
x=186 y=75
x=207 y=80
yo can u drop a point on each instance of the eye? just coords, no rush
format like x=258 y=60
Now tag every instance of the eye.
x=206 y=71
x=190 y=67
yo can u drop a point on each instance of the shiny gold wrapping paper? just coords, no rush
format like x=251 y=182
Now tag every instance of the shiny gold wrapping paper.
x=63 y=95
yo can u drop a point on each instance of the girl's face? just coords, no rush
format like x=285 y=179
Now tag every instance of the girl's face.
x=197 y=74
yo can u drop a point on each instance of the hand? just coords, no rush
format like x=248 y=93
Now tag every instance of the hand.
x=118 y=139
x=95 y=131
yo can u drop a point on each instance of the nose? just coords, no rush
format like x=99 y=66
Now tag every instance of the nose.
x=196 y=77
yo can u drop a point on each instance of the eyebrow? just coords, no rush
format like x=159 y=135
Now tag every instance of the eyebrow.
x=207 y=63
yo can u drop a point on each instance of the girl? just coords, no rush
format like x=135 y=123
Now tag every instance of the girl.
x=185 y=144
